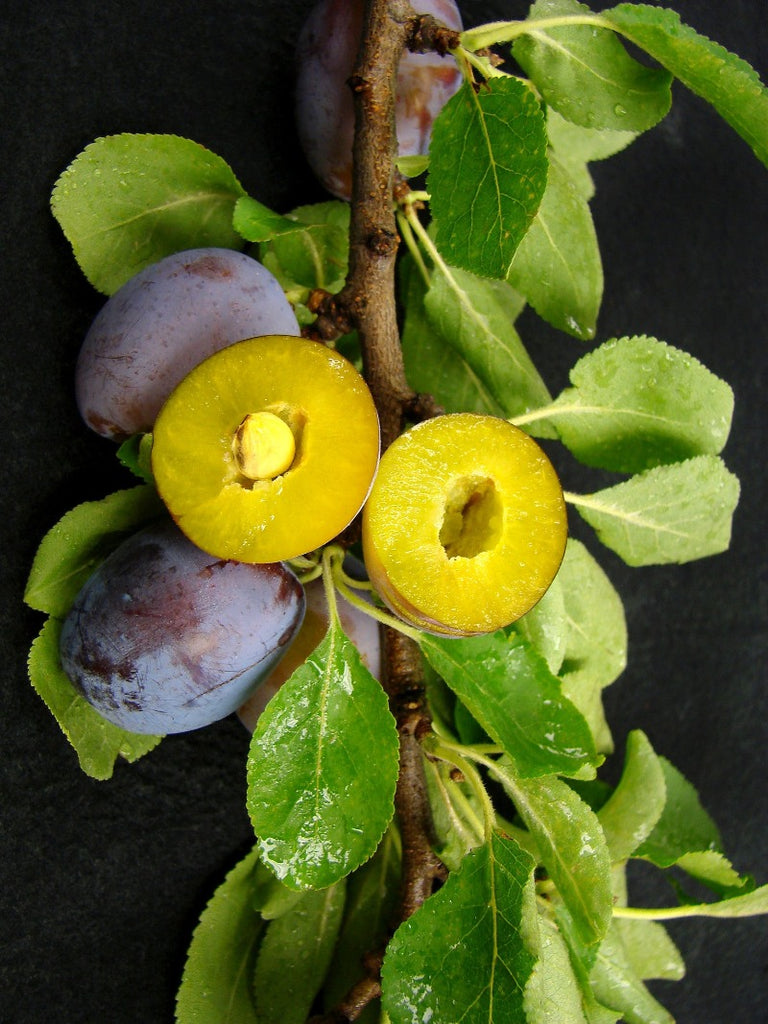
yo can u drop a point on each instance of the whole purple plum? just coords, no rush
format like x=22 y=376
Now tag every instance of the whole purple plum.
x=162 y=323
x=164 y=638
x=326 y=54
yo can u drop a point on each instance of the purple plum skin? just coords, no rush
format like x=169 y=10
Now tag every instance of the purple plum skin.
x=164 y=638
x=325 y=58
x=162 y=323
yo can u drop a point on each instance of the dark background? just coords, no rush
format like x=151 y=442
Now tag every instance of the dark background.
x=103 y=882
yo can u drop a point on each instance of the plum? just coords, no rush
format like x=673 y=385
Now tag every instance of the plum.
x=326 y=54
x=162 y=323
x=164 y=638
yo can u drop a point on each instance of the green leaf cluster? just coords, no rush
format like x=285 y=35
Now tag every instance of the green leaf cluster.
x=266 y=954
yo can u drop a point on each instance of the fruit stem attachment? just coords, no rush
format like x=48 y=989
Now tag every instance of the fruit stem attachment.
x=382 y=617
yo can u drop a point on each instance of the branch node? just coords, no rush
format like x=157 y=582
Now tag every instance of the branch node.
x=334 y=317
x=357 y=83
x=382 y=242
x=427 y=35
x=422 y=406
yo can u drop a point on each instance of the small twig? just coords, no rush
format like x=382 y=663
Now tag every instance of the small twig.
x=367 y=300
x=351 y=1007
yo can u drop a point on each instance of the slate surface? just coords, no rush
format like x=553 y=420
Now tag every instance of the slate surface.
x=103 y=881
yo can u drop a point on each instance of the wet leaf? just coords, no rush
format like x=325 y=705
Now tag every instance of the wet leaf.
x=637 y=402
x=722 y=79
x=508 y=688
x=481 y=929
x=586 y=74
x=322 y=768
x=129 y=200
x=668 y=514
x=487 y=174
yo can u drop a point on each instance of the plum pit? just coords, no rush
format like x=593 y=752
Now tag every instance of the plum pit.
x=472 y=517
x=263 y=445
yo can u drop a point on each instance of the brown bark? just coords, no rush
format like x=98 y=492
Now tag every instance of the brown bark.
x=367 y=303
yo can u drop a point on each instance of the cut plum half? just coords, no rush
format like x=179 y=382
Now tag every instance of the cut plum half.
x=465 y=526
x=312 y=480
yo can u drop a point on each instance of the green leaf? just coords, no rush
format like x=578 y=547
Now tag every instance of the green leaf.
x=650 y=951
x=571 y=846
x=722 y=79
x=322 y=768
x=630 y=814
x=546 y=625
x=271 y=898
x=575 y=147
x=557 y=266
x=456 y=819
x=596 y=638
x=553 y=995
x=467 y=728
x=667 y=514
x=372 y=893
x=748 y=905
x=257 y=223
x=584 y=72
x=617 y=986
x=637 y=402
x=434 y=366
x=510 y=691
x=487 y=174
x=468 y=952
x=431 y=365
x=72 y=549
x=684 y=826
x=582 y=960
x=295 y=955
x=412 y=166
x=136 y=455
x=475 y=317
x=714 y=870
x=686 y=837
x=97 y=742
x=216 y=984
x=129 y=200
x=311 y=250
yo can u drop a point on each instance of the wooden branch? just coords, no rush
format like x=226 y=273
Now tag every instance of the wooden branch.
x=367 y=302
x=370 y=293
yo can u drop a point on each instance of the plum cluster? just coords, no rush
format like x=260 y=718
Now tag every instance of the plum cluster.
x=184 y=620
x=265 y=446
